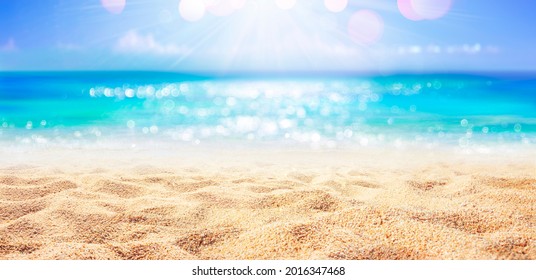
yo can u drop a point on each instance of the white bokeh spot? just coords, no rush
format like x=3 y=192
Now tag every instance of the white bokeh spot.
x=192 y=10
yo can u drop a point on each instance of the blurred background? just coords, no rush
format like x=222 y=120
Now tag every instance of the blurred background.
x=268 y=35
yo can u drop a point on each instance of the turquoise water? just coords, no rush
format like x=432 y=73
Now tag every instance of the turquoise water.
x=319 y=111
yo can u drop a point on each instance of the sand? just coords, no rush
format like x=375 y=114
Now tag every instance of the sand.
x=266 y=203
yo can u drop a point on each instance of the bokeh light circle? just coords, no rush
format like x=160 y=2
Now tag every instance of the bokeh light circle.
x=285 y=4
x=424 y=9
x=365 y=27
x=406 y=9
x=114 y=6
x=431 y=9
x=335 y=5
x=192 y=10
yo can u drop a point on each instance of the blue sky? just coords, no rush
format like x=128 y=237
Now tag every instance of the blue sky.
x=267 y=35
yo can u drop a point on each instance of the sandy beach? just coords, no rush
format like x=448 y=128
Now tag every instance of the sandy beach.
x=266 y=204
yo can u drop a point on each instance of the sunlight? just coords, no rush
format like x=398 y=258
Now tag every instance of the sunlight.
x=238 y=4
x=279 y=34
x=285 y=4
x=220 y=8
x=194 y=10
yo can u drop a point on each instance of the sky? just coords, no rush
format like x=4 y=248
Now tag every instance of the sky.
x=268 y=35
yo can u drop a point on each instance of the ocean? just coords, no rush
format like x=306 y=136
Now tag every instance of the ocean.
x=480 y=112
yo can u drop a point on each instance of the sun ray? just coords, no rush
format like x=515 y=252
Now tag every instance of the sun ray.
x=255 y=35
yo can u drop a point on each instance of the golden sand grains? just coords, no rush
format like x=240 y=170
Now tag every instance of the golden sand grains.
x=378 y=252
x=120 y=189
x=269 y=211
x=17 y=248
x=512 y=183
x=520 y=248
x=14 y=210
x=426 y=185
x=194 y=242
x=472 y=222
x=33 y=192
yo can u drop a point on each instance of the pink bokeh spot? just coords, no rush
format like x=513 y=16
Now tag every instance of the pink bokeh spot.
x=365 y=27
x=431 y=9
x=335 y=6
x=406 y=9
x=114 y=6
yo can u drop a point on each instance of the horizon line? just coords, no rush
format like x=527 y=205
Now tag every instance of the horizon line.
x=280 y=74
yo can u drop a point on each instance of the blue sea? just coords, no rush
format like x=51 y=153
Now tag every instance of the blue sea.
x=317 y=111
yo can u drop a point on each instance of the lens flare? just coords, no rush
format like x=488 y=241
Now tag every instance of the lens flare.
x=114 y=6
x=424 y=9
x=406 y=9
x=365 y=27
x=336 y=5
x=431 y=9
x=192 y=10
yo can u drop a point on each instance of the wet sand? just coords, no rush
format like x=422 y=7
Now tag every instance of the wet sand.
x=266 y=204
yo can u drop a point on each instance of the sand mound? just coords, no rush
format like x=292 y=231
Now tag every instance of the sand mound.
x=270 y=209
